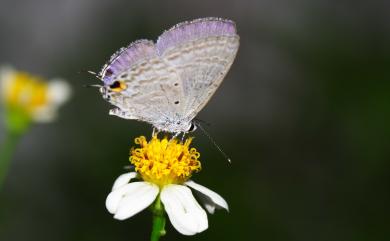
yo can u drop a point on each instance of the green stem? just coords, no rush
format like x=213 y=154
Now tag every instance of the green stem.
x=158 y=220
x=6 y=150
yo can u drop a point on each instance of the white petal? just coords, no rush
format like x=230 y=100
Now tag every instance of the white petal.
x=214 y=197
x=123 y=179
x=134 y=201
x=59 y=91
x=115 y=197
x=184 y=212
x=44 y=114
x=209 y=207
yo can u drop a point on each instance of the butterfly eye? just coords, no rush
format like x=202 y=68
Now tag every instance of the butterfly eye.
x=192 y=127
x=118 y=86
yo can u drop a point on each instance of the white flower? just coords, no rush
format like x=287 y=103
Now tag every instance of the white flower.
x=165 y=167
x=31 y=95
x=186 y=215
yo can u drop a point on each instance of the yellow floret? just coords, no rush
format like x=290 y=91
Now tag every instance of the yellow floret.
x=164 y=161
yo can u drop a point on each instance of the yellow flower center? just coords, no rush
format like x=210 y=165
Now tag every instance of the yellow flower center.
x=26 y=92
x=164 y=161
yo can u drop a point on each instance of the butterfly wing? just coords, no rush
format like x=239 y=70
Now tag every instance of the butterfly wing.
x=168 y=83
x=201 y=51
x=149 y=92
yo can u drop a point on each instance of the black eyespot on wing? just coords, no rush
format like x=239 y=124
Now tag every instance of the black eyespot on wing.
x=115 y=85
x=176 y=84
x=176 y=102
x=109 y=72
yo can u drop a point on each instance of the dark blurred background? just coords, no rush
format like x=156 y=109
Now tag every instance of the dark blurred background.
x=304 y=115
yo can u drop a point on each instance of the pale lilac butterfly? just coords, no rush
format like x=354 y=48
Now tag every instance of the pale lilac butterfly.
x=168 y=82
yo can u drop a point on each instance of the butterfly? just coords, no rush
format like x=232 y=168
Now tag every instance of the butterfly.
x=168 y=82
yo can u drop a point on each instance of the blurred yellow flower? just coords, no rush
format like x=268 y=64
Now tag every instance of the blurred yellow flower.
x=27 y=96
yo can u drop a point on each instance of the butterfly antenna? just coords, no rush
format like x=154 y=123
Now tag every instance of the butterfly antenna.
x=96 y=75
x=93 y=85
x=202 y=121
x=82 y=71
x=92 y=72
x=214 y=143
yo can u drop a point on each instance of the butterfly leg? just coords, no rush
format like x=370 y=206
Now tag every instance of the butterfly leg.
x=174 y=136
x=182 y=138
x=129 y=168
